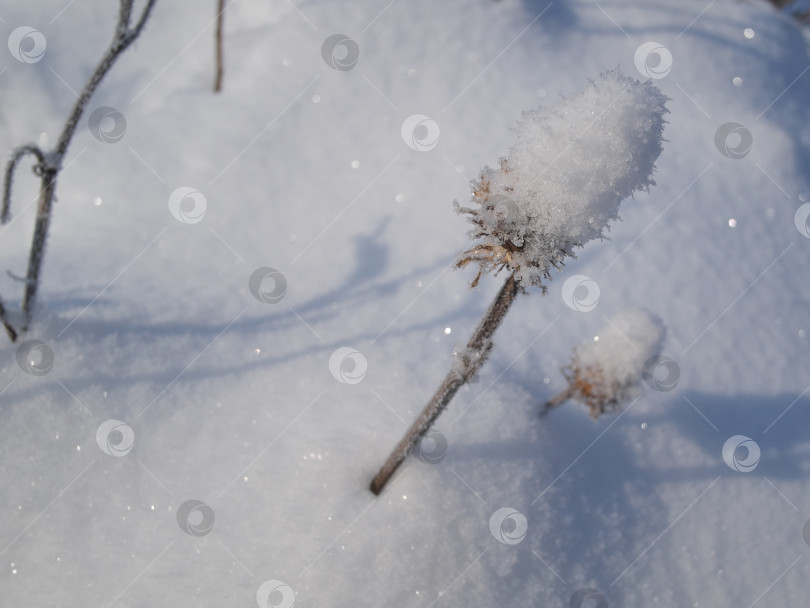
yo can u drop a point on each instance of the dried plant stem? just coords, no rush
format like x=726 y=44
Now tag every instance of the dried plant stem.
x=220 y=69
x=12 y=333
x=37 y=252
x=464 y=371
x=49 y=164
x=560 y=398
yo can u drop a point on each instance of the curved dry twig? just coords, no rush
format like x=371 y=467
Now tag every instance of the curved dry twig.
x=8 y=178
x=51 y=163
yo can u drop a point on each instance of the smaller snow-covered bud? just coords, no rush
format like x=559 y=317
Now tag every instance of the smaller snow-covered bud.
x=607 y=372
x=563 y=179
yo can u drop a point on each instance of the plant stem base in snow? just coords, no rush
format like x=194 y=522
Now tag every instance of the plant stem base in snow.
x=463 y=371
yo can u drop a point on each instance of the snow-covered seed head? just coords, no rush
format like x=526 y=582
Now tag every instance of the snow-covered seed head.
x=607 y=372
x=563 y=180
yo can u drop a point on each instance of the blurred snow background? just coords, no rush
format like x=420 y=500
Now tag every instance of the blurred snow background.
x=304 y=169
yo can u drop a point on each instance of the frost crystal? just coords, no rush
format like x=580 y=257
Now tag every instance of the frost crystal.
x=564 y=178
x=469 y=360
x=607 y=372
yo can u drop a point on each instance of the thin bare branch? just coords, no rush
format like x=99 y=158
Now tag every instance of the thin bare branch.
x=12 y=334
x=134 y=32
x=124 y=15
x=219 y=52
x=50 y=164
x=16 y=157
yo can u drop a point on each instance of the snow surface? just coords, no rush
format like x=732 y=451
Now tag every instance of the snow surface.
x=301 y=168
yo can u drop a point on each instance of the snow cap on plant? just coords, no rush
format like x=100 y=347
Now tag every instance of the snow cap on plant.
x=606 y=372
x=562 y=181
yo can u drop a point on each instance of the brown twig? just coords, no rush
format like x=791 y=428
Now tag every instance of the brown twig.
x=560 y=398
x=467 y=365
x=12 y=333
x=50 y=164
x=220 y=69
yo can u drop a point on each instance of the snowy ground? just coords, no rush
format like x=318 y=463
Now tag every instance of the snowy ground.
x=303 y=168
